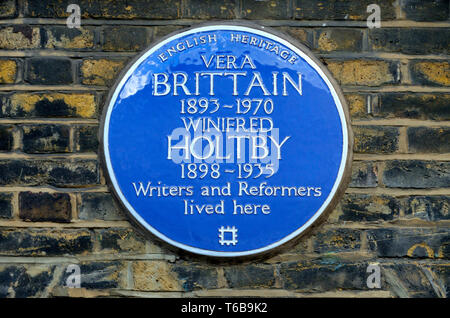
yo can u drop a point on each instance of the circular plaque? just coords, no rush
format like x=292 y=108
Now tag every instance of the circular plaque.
x=226 y=140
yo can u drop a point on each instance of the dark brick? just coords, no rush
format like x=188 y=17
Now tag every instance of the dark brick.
x=8 y=9
x=195 y=276
x=442 y=272
x=210 y=9
x=105 y=9
x=416 y=174
x=250 y=276
x=433 y=106
x=51 y=207
x=46 y=138
x=125 y=38
x=49 y=71
x=410 y=242
x=97 y=275
x=364 y=175
x=368 y=208
x=21 y=281
x=120 y=240
x=411 y=280
x=87 y=138
x=410 y=40
x=51 y=172
x=28 y=242
x=99 y=206
x=424 y=139
x=337 y=39
x=337 y=240
x=326 y=275
x=271 y=9
x=31 y=105
x=6 y=137
x=433 y=73
x=302 y=35
x=341 y=9
x=6 y=205
x=429 y=208
x=430 y=10
x=375 y=139
x=163 y=30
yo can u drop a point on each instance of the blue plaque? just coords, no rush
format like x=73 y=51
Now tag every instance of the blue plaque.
x=226 y=140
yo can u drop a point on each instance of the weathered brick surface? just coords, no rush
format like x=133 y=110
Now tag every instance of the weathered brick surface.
x=368 y=208
x=363 y=72
x=435 y=73
x=86 y=139
x=100 y=71
x=48 y=105
x=200 y=9
x=337 y=240
x=27 y=242
x=46 y=138
x=434 y=106
x=250 y=276
x=424 y=139
x=125 y=39
x=8 y=71
x=67 y=173
x=340 y=9
x=23 y=281
x=6 y=205
x=375 y=139
x=50 y=71
x=357 y=104
x=121 y=9
x=55 y=203
x=432 y=10
x=429 y=208
x=410 y=242
x=52 y=207
x=120 y=240
x=416 y=174
x=6 y=137
x=272 y=9
x=20 y=37
x=163 y=276
x=99 y=206
x=61 y=37
x=339 y=40
x=432 y=41
x=98 y=275
x=8 y=9
x=364 y=175
x=323 y=276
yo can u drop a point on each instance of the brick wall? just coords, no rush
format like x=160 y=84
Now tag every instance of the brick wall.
x=57 y=210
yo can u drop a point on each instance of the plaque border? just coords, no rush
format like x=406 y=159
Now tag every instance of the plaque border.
x=340 y=183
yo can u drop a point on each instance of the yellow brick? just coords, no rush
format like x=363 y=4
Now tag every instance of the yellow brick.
x=360 y=72
x=82 y=105
x=436 y=72
x=100 y=72
x=154 y=275
x=8 y=70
